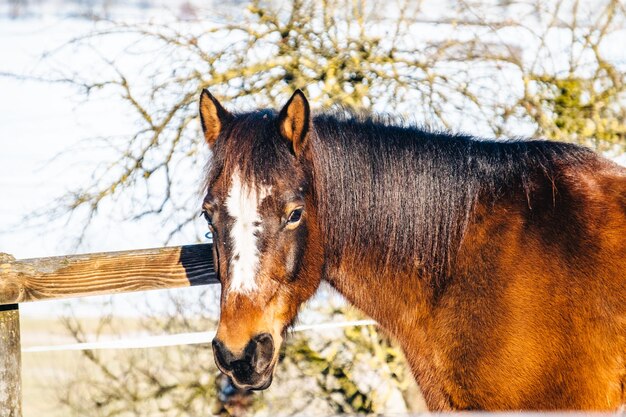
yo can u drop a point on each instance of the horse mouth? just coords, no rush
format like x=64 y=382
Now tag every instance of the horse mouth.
x=254 y=382
x=263 y=383
x=251 y=381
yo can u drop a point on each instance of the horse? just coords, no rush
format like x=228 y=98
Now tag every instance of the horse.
x=498 y=266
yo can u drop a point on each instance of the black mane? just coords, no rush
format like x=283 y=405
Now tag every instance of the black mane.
x=408 y=194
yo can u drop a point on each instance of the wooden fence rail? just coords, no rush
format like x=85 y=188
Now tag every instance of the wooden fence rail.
x=82 y=275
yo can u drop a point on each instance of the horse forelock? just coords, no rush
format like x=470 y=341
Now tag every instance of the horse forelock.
x=252 y=147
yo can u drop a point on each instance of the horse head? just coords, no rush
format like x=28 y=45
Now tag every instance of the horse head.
x=259 y=207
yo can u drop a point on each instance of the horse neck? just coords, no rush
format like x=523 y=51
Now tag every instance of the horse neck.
x=396 y=299
x=378 y=274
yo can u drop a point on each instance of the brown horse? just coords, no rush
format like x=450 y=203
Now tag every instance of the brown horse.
x=499 y=266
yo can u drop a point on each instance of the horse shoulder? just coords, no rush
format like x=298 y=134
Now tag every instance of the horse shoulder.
x=536 y=314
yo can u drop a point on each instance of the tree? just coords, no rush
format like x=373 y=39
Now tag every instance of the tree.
x=464 y=69
x=584 y=101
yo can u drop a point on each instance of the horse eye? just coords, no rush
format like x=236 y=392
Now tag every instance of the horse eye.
x=207 y=217
x=295 y=216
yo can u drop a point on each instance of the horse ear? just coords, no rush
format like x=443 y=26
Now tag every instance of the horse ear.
x=294 y=121
x=213 y=117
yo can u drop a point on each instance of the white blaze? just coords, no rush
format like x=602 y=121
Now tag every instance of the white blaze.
x=242 y=205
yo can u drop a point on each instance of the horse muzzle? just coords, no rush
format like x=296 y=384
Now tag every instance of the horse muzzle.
x=253 y=368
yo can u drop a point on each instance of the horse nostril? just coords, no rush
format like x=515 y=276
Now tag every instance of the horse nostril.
x=242 y=368
x=263 y=353
x=264 y=339
x=223 y=357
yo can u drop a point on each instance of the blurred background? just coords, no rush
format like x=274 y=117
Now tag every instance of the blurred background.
x=101 y=151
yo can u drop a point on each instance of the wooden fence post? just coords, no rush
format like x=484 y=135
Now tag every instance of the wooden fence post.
x=10 y=362
x=10 y=356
